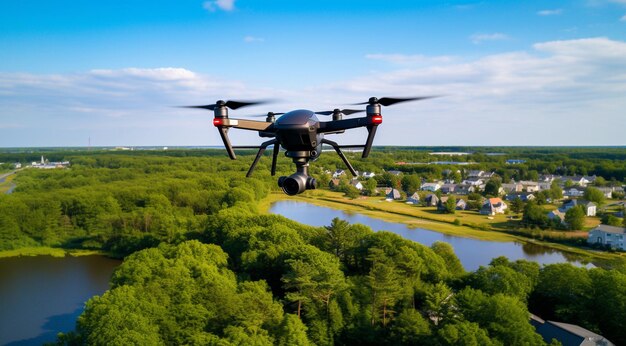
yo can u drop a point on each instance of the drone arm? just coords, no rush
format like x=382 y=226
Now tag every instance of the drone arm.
x=340 y=153
x=344 y=124
x=244 y=124
x=262 y=148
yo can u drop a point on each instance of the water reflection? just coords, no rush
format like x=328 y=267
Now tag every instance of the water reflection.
x=472 y=252
x=41 y=296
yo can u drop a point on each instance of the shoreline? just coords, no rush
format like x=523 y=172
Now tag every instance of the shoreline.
x=51 y=251
x=337 y=201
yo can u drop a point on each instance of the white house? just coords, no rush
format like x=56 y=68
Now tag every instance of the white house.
x=338 y=173
x=530 y=186
x=493 y=206
x=356 y=184
x=612 y=236
x=590 y=208
x=414 y=199
x=573 y=192
x=432 y=187
x=368 y=175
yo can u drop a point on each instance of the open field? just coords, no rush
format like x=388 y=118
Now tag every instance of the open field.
x=47 y=251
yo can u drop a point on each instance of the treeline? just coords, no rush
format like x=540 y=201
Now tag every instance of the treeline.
x=121 y=203
x=265 y=280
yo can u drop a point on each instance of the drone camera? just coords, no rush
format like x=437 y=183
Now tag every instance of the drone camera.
x=296 y=183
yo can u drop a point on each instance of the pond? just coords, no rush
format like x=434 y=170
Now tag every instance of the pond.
x=42 y=295
x=472 y=252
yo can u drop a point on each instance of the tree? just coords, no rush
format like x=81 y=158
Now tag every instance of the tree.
x=385 y=289
x=410 y=183
x=292 y=332
x=575 y=217
x=556 y=192
x=369 y=187
x=492 y=187
x=535 y=215
x=517 y=205
x=410 y=328
x=450 y=205
x=594 y=195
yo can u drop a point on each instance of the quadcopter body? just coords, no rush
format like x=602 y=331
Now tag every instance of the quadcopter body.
x=301 y=134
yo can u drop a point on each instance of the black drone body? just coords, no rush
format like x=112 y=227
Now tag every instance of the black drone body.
x=301 y=134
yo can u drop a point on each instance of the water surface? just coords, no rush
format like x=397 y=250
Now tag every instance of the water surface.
x=43 y=295
x=472 y=252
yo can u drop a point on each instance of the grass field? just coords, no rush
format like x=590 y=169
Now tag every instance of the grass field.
x=47 y=251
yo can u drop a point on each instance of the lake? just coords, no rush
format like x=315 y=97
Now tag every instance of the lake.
x=43 y=295
x=472 y=252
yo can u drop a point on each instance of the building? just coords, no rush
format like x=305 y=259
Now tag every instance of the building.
x=588 y=207
x=612 y=236
x=523 y=196
x=556 y=214
x=414 y=199
x=448 y=188
x=567 y=334
x=573 y=192
x=512 y=187
x=431 y=200
x=357 y=184
x=393 y=194
x=493 y=206
x=338 y=173
x=432 y=187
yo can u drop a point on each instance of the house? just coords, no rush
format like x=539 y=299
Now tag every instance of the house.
x=392 y=172
x=334 y=183
x=338 y=173
x=567 y=334
x=368 y=175
x=414 y=199
x=524 y=196
x=448 y=188
x=393 y=194
x=464 y=189
x=573 y=192
x=357 y=184
x=493 y=206
x=606 y=191
x=432 y=187
x=474 y=181
x=612 y=236
x=431 y=200
x=475 y=173
x=544 y=185
x=461 y=204
x=530 y=186
x=515 y=161
x=589 y=207
x=17 y=165
x=441 y=205
x=512 y=187
x=579 y=180
x=557 y=214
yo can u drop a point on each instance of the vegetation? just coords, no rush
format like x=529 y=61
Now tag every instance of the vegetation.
x=204 y=266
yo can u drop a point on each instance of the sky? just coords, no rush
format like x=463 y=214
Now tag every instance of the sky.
x=509 y=73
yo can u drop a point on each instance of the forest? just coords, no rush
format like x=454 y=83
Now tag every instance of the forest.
x=203 y=264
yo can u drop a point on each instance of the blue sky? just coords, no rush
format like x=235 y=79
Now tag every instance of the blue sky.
x=512 y=72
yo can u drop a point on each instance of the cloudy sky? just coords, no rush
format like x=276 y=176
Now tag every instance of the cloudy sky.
x=510 y=72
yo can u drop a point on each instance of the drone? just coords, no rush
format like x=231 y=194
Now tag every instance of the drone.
x=301 y=134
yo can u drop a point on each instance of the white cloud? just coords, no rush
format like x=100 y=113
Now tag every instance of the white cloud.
x=623 y=19
x=550 y=12
x=253 y=39
x=479 y=38
x=546 y=95
x=224 y=5
x=403 y=59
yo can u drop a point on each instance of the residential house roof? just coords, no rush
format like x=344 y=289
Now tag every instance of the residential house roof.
x=610 y=229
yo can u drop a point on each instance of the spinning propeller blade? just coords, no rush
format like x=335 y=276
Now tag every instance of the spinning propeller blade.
x=230 y=104
x=342 y=111
x=388 y=101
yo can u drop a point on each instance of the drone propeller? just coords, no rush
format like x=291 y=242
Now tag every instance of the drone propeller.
x=230 y=104
x=388 y=101
x=341 y=111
